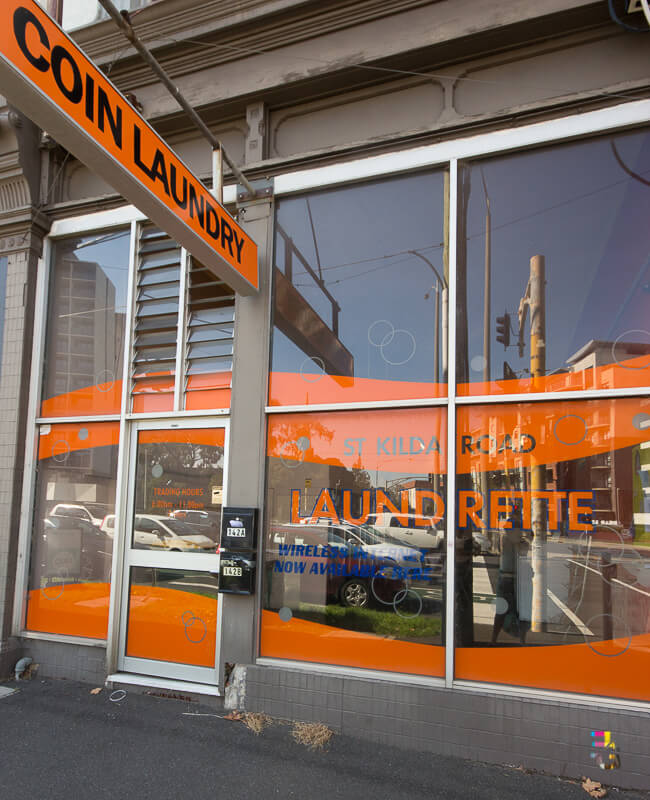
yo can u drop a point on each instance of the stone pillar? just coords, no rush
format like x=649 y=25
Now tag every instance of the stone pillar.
x=22 y=228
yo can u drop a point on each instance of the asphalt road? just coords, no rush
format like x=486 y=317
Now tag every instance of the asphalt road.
x=59 y=741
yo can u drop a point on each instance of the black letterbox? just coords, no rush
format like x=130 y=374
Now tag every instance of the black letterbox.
x=239 y=529
x=237 y=573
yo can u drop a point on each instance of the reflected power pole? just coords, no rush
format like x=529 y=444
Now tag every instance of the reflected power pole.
x=535 y=301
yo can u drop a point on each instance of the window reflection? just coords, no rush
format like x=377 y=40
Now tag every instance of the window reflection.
x=354 y=549
x=73 y=530
x=564 y=235
x=179 y=490
x=360 y=288
x=553 y=543
x=86 y=324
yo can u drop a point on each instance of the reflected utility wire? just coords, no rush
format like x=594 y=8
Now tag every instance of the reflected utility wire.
x=480 y=233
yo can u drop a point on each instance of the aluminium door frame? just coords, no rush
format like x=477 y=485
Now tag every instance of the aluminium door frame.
x=171 y=560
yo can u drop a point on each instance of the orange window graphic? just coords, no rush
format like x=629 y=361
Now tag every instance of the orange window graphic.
x=73 y=529
x=354 y=546
x=553 y=545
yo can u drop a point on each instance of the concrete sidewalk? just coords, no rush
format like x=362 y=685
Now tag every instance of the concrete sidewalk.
x=59 y=741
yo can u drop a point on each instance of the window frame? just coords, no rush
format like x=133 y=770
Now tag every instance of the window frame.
x=444 y=154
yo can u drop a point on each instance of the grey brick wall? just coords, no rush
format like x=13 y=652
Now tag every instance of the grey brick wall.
x=542 y=734
x=14 y=377
x=75 y=662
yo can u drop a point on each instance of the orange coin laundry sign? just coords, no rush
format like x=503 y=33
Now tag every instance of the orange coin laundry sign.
x=46 y=76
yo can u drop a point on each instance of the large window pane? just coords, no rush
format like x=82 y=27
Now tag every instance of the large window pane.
x=172 y=616
x=567 y=241
x=360 y=293
x=179 y=490
x=354 y=542
x=72 y=537
x=84 y=348
x=553 y=547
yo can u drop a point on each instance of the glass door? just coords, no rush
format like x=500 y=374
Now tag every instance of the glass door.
x=170 y=614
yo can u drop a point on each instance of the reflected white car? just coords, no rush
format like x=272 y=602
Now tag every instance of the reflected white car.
x=427 y=537
x=76 y=511
x=152 y=531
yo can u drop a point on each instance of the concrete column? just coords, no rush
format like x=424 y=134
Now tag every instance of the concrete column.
x=246 y=466
x=15 y=362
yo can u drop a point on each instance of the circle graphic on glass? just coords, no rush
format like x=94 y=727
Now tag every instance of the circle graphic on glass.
x=157 y=471
x=570 y=429
x=195 y=628
x=285 y=614
x=293 y=455
x=105 y=380
x=618 y=343
x=379 y=331
x=609 y=647
x=501 y=606
x=54 y=596
x=478 y=363
x=309 y=377
x=403 y=342
x=60 y=451
x=641 y=422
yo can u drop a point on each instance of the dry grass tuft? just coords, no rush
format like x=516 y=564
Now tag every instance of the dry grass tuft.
x=256 y=722
x=314 y=735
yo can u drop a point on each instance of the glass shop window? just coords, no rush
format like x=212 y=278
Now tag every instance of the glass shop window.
x=553 y=545
x=84 y=350
x=558 y=241
x=354 y=544
x=73 y=529
x=360 y=293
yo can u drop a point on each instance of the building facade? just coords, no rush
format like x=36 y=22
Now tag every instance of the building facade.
x=437 y=401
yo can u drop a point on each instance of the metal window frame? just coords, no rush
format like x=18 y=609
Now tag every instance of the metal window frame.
x=128 y=558
x=549 y=132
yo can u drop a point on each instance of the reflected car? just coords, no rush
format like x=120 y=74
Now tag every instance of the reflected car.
x=74 y=510
x=425 y=536
x=205 y=522
x=326 y=577
x=153 y=531
x=381 y=545
x=167 y=533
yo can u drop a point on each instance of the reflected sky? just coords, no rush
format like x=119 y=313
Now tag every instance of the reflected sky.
x=361 y=236
x=577 y=206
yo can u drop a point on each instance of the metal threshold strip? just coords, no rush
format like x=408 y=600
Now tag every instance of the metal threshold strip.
x=119 y=679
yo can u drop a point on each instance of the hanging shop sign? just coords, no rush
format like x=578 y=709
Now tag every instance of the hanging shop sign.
x=46 y=76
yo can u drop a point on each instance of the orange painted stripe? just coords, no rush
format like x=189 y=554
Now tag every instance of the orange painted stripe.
x=563 y=431
x=565 y=668
x=215 y=437
x=104 y=398
x=157 y=630
x=327 y=438
x=73 y=609
x=292 y=388
x=65 y=438
x=627 y=374
x=302 y=640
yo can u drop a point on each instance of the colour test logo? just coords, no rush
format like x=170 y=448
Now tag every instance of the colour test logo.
x=605 y=753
